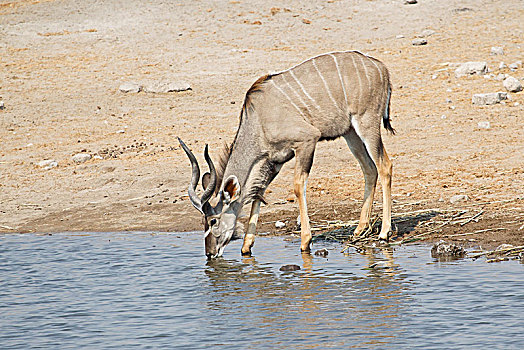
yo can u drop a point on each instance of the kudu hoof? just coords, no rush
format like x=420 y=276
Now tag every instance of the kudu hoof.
x=248 y=253
x=382 y=242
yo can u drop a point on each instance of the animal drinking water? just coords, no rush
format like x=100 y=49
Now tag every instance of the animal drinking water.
x=284 y=115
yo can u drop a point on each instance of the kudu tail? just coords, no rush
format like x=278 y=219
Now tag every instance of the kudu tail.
x=385 y=116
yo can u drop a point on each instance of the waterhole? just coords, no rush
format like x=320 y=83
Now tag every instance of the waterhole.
x=157 y=290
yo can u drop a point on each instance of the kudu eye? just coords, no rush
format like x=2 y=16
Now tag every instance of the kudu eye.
x=213 y=222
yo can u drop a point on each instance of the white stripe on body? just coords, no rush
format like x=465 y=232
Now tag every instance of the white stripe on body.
x=379 y=72
x=367 y=73
x=304 y=90
x=359 y=83
x=341 y=81
x=296 y=93
x=287 y=96
x=325 y=85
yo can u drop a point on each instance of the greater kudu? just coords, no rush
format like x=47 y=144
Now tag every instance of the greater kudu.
x=283 y=116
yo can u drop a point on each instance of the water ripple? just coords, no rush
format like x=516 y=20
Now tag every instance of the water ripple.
x=141 y=290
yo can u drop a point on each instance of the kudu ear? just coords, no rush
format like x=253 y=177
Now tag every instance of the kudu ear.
x=206 y=179
x=232 y=188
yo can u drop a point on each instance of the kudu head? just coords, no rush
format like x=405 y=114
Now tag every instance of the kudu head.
x=220 y=220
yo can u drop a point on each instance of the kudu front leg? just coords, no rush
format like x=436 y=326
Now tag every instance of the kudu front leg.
x=304 y=160
x=249 y=237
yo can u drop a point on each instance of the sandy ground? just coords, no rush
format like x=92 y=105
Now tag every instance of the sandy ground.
x=62 y=63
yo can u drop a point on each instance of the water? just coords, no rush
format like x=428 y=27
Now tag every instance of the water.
x=141 y=290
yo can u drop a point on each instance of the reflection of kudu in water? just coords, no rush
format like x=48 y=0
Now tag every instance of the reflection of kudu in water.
x=311 y=300
x=284 y=115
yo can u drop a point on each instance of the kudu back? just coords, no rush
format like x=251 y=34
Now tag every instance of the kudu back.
x=284 y=115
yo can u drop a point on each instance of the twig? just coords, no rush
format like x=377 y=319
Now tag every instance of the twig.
x=473 y=218
x=475 y=232
x=496 y=251
x=495 y=202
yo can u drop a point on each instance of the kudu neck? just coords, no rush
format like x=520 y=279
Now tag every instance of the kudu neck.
x=245 y=159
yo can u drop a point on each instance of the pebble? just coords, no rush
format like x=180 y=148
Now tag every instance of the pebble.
x=501 y=77
x=410 y=2
x=425 y=33
x=163 y=87
x=322 y=252
x=469 y=68
x=484 y=125
x=497 y=50
x=107 y=169
x=489 y=98
x=419 y=42
x=502 y=65
x=81 y=158
x=280 y=224
x=400 y=36
x=2 y=106
x=458 y=198
x=512 y=84
x=48 y=164
x=130 y=87
x=504 y=246
x=291 y=267
x=515 y=65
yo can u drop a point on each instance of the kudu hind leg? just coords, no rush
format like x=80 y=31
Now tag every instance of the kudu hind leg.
x=385 y=170
x=373 y=157
x=369 y=170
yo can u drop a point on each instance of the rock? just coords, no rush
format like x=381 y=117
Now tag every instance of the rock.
x=484 y=125
x=458 y=198
x=163 y=87
x=2 y=106
x=107 y=169
x=497 y=50
x=81 y=158
x=410 y=2
x=515 y=65
x=130 y=87
x=489 y=98
x=512 y=84
x=291 y=267
x=470 y=68
x=419 y=42
x=280 y=224
x=48 y=164
x=504 y=246
x=501 y=77
x=447 y=251
x=322 y=252
x=425 y=33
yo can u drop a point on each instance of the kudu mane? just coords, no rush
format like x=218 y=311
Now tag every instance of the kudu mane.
x=247 y=107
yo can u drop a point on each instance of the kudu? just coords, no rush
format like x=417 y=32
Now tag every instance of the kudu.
x=283 y=116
